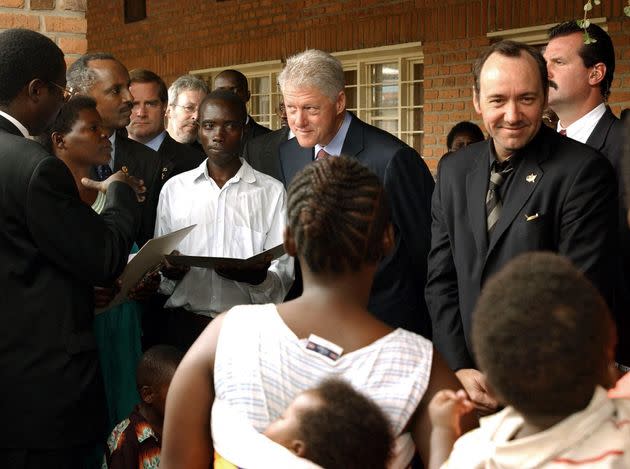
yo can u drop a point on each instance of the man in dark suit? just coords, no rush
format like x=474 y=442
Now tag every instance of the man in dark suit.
x=236 y=82
x=525 y=189
x=150 y=101
x=263 y=152
x=106 y=80
x=312 y=84
x=580 y=77
x=54 y=249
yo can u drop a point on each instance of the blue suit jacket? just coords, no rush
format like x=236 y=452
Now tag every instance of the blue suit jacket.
x=396 y=296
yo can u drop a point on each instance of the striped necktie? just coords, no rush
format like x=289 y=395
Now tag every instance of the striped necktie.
x=493 y=201
x=321 y=155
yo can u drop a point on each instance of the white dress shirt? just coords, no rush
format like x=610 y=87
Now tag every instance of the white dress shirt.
x=335 y=146
x=243 y=218
x=582 y=128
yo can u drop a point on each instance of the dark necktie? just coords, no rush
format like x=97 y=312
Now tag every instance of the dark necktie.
x=321 y=155
x=103 y=172
x=493 y=200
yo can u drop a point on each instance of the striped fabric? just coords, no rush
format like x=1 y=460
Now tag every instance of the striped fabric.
x=260 y=366
x=493 y=201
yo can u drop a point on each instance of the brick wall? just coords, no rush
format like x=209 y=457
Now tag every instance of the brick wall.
x=178 y=36
x=61 y=20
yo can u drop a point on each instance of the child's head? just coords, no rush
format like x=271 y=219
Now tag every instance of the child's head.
x=154 y=374
x=337 y=215
x=543 y=335
x=336 y=427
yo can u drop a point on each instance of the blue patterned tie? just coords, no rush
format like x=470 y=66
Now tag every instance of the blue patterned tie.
x=103 y=172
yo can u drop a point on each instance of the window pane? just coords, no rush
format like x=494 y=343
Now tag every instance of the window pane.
x=384 y=73
x=350 y=77
x=259 y=106
x=389 y=125
x=259 y=85
x=351 y=98
x=383 y=96
x=417 y=143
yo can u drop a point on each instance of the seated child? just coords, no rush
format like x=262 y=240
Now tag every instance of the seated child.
x=136 y=441
x=330 y=426
x=545 y=339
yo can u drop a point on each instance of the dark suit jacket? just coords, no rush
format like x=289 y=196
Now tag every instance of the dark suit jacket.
x=54 y=248
x=143 y=163
x=608 y=138
x=396 y=296
x=253 y=129
x=570 y=190
x=176 y=158
x=263 y=152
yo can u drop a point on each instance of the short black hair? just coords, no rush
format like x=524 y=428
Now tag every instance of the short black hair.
x=602 y=50
x=157 y=365
x=337 y=212
x=67 y=117
x=240 y=78
x=509 y=48
x=142 y=75
x=464 y=127
x=540 y=333
x=228 y=97
x=348 y=430
x=24 y=56
x=80 y=76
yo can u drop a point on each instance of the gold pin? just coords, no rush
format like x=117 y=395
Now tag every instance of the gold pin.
x=125 y=170
x=531 y=178
x=164 y=171
x=531 y=217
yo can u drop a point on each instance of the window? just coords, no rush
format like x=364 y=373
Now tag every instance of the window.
x=384 y=87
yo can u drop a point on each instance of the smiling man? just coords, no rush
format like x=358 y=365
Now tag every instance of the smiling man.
x=239 y=212
x=527 y=188
x=106 y=80
x=312 y=84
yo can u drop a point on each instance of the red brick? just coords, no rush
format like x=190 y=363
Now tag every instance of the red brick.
x=73 y=45
x=72 y=5
x=12 y=20
x=12 y=3
x=42 y=4
x=60 y=24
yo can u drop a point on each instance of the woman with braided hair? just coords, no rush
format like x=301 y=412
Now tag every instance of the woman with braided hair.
x=257 y=358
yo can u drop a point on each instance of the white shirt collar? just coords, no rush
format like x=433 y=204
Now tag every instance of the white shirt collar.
x=245 y=173
x=16 y=123
x=582 y=128
x=335 y=146
x=155 y=142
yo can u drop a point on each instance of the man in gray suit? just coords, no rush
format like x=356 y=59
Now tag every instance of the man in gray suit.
x=312 y=84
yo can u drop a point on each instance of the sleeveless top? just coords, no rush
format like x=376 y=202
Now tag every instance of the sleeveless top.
x=261 y=365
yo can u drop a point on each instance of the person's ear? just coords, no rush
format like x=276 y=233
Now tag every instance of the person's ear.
x=597 y=74
x=289 y=242
x=298 y=447
x=389 y=240
x=58 y=140
x=35 y=89
x=340 y=104
x=146 y=394
x=476 y=101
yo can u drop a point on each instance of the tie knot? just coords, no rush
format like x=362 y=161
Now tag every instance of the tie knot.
x=563 y=132
x=498 y=174
x=321 y=155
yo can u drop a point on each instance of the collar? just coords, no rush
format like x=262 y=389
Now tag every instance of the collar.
x=548 y=444
x=16 y=123
x=244 y=173
x=112 y=139
x=581 y=129
x=155 y=142
x=335 y=146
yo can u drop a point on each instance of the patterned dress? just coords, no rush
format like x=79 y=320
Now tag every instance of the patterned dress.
x=133 y=444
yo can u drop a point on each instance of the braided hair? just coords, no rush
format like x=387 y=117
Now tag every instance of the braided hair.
x=338 y=212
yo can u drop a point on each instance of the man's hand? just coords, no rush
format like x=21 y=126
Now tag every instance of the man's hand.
x=475 y=384
x=104 y=296
x=136 y=184
x=173 y=271
x=146 y=286
x=254 y=275
x=446 y=409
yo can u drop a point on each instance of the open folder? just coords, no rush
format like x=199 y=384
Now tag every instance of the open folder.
x=144 y=260
x=227 y=262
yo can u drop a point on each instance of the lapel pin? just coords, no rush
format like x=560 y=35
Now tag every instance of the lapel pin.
x=125 y=170
x=531 y=217
x=531 y=178
x=164 y=171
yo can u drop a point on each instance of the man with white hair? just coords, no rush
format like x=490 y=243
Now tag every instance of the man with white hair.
x=184 y=97
x=312 y=84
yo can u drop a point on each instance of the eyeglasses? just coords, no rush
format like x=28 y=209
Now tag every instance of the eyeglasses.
x=188 y=109
x=67 y=92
